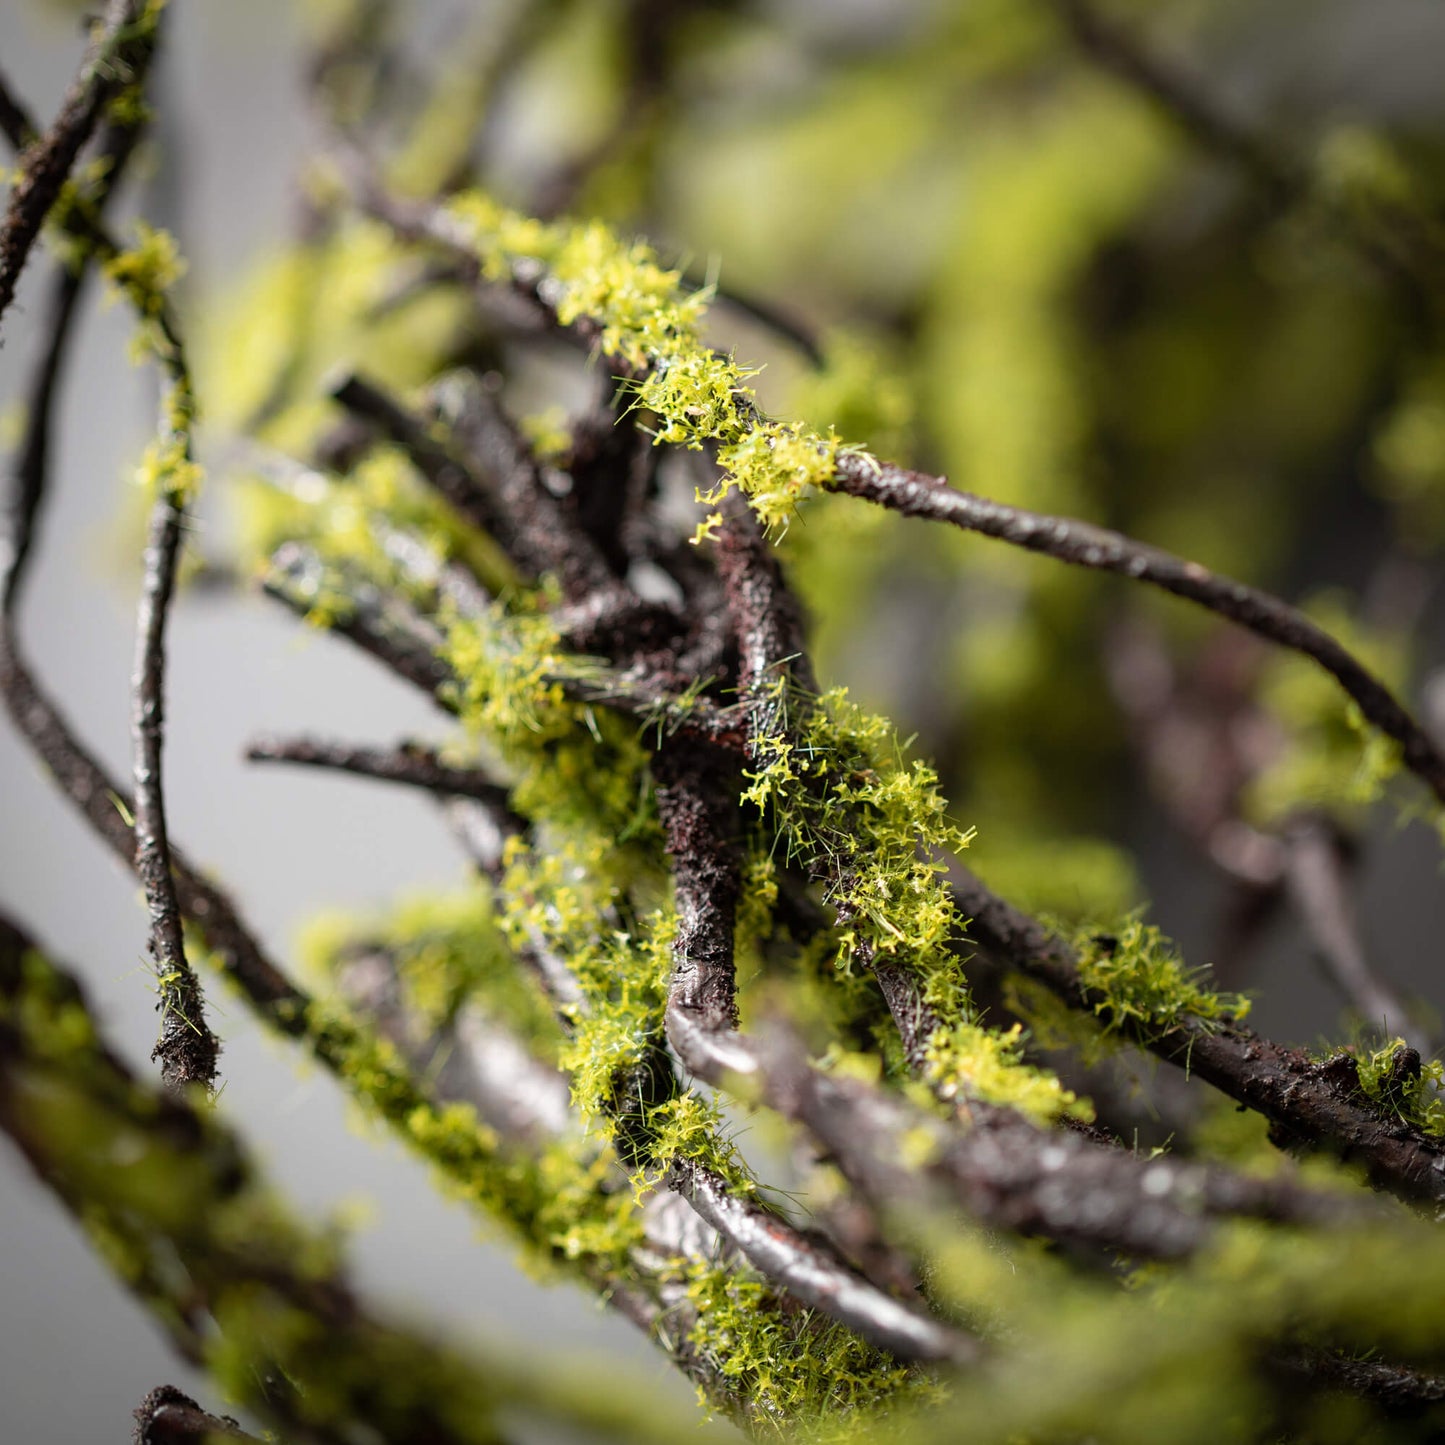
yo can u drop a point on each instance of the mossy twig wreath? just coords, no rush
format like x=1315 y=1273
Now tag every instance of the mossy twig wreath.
x=708 y=892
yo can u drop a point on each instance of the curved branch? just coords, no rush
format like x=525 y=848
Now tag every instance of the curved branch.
x=1309 y=1102
x=1081 y=544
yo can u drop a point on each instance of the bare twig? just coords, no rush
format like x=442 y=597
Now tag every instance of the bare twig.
x=1081 y=544
x=187 y=1048
x=409 y=763
x=1317 y=881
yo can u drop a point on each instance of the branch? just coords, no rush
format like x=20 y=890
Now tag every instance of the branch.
x=1310 y=1103
x=168 y=1417
x=1317 y=882
x=1081 y=544
x=410 y=763
x=187 y=1048
x=32 y=457
x=117 y=54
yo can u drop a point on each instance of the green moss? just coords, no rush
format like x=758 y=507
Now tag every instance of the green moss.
x=799 y=1372
x=575 y=766
x=1413 y=1094
x=1141 y=982
x=845 y=802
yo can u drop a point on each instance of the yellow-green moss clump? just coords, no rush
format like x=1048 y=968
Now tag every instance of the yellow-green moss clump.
x=645 y=321
x=835 y=784
x=1397 y=1080
x=1140 y=982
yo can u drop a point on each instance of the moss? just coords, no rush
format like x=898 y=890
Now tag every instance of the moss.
x=644 y=320
x=800 y=1372
x=147 y=270
x=1396 y=1079
x=847 y=804
x=1141 y=982
x=575 y=766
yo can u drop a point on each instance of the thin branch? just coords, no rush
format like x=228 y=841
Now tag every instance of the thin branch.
x=1081 y=544
x=410 y=763
x=1310 y=1103
x=1320 y=887
x=187 y=1048
x=813 y=1274
x=121 y=48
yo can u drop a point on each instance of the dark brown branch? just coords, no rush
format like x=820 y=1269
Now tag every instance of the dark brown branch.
x=1081 y=544
x=409 y=763
x=813 y=1274
x=187 y=1048
x=168 y=1417
x=1318 y=1105
x=117 y=54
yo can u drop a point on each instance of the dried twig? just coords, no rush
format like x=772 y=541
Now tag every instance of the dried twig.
x=119 y=49
x=410 y=763
x=1081 y=544
x=187 y=1048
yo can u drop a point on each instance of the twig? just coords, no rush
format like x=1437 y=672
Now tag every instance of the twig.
x=1312 y=1104
x=815 y=1276
x=1081 y=544
x=168 y=1417
x=121 y=47
x=1316 y=880
x=187 y=1048
x=32 y=458
x=409 y=763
